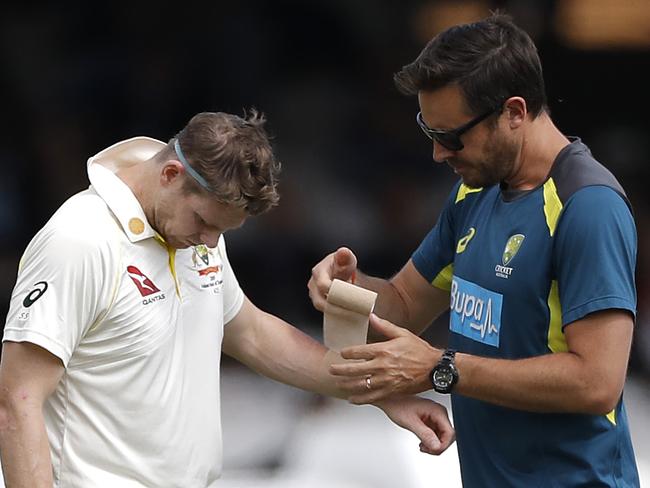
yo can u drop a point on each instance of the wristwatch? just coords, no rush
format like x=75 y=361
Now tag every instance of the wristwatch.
x=445 y=375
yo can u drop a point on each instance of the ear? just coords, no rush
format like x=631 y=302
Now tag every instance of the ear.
x=515 y=110
x=170 y=172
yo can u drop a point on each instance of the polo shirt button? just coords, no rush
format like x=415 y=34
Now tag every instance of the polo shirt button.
x=136 y=225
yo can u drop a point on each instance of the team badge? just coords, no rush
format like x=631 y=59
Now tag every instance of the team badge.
x=201 y=253
x=207 y=266
x=509 y=252
x=512 y=247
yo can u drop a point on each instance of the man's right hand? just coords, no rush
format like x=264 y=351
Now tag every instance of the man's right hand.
x=341 y=264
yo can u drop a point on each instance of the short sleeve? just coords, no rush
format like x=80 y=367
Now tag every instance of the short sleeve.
x=435 y=255
x=233 y=296
x=595 y=254
x=64 y=285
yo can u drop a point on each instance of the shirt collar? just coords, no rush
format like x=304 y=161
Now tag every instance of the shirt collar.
x=117 y=194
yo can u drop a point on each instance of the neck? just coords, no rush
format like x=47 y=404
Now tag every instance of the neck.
x=135 y=178
x=542 y=142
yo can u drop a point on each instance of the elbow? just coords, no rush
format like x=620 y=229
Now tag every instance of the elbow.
x=5 y=414
x=604 y=405
x=14 y=407
x=601 y=399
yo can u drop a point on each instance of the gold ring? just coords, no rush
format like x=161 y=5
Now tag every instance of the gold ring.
x=368 y=385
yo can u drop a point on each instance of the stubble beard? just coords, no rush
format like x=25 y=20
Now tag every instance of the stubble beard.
x=497 y=165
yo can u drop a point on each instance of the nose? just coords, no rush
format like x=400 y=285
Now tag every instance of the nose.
x=210 y=239
x=441 y=153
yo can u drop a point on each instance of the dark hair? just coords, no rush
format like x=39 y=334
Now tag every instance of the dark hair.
x=490 y=60
x=234 y=156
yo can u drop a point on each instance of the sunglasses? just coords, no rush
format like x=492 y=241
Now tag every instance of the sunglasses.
x=451 y=138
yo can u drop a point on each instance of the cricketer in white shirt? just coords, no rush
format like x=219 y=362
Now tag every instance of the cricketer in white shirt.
x=138 y=328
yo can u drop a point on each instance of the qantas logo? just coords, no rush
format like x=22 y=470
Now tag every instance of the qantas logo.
x=144 y=284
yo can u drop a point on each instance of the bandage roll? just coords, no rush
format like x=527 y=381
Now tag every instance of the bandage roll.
x=347 y=312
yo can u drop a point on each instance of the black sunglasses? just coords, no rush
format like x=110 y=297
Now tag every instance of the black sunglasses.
x=451 y=138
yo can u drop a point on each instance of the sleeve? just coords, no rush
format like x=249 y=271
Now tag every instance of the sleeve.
x=595 y=254
x=64 y=286
x=435 y=256
x=233 y=296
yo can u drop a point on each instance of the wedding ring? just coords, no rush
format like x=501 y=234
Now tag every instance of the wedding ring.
x=368 y=385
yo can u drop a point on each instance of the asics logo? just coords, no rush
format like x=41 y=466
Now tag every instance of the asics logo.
x=462 y=242
x=35 y=294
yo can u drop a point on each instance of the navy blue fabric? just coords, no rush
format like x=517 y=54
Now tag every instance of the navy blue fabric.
x=500 y=308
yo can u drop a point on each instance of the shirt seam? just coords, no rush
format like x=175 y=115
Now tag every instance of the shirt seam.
x=20 y=337
x=577 y=308
x=115 y=292
x=64 y=429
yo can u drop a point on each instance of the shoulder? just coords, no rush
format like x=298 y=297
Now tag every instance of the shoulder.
x=576 y=169
x=462 y=193
x=463 y=198
x=82 y=227
x=597 y=210
x=85 y=211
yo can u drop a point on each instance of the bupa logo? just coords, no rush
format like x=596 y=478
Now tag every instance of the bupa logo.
x=475 y=312
x=144 y=284
x=509 y=252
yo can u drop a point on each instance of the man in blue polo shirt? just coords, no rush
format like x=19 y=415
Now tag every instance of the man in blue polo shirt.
x=534 y=255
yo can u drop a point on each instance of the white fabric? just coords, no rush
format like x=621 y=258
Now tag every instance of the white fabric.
x=138 y=404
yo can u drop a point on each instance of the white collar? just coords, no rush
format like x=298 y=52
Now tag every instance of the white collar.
x=117 y=194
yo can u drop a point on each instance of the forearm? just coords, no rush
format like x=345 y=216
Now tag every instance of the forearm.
x=560 y=382
x=279 y=351
x=24 y=448
x=390 y=304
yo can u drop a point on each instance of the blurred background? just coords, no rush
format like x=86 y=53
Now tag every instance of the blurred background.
x=357 y=171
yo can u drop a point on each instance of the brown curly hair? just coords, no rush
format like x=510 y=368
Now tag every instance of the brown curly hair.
x=234 y=155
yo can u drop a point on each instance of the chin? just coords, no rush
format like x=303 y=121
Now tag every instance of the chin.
x=473 y=182
x=173 y=243
x=479 y=182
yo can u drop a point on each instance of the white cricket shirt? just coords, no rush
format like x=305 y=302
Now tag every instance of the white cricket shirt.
x=139 y=330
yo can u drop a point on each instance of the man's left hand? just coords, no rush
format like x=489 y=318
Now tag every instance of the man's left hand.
x=397 y=366
x=427 y=419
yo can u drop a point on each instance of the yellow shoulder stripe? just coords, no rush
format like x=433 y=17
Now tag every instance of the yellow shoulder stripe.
x=443 y=279
x=552 y=205
x=556 y=338
x=463 y=191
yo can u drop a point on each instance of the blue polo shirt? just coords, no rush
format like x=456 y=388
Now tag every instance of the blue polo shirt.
x=519 y=268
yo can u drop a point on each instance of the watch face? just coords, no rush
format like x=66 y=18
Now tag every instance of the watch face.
x=443 y=377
